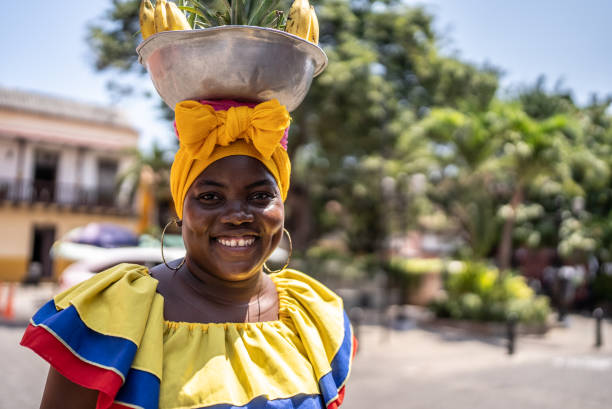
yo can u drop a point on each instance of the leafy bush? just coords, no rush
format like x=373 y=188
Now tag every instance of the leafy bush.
x=411 y=266
x=479 y=292
x=333 y=265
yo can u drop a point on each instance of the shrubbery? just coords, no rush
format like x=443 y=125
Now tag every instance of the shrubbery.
x=479 y=292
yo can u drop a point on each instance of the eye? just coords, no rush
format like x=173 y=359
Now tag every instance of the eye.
x=209 y=197
x=262 y=197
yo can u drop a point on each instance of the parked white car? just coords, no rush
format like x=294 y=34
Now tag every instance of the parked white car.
x=102 y=259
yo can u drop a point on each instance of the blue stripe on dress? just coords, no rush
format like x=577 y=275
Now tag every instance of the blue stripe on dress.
x=104 y=350
x=141 y=389
x=342 y=361
x=330 y=383
x=301 y=401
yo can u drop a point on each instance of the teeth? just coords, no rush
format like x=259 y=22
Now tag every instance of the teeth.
x=236 y=242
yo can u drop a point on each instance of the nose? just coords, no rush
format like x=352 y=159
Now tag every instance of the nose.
x=237 y=213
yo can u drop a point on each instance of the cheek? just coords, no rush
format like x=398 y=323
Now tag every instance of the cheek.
x=274 y=216
x=195 y=221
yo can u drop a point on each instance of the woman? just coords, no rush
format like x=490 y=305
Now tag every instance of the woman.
x=211 y=329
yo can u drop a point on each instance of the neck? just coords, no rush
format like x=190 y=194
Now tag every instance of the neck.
x=221 y=291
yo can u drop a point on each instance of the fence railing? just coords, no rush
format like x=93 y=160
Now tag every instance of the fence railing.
x=41 y=191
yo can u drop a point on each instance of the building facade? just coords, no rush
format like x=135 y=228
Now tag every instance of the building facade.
x=59 y=165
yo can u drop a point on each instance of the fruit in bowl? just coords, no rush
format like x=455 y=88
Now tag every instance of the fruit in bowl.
x=301 y=19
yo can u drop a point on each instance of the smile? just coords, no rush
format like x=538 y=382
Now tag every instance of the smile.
x=236 y=241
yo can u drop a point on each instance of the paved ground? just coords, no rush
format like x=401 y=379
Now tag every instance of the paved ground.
x=423 y=368
x=434 y=367
x=445 y=368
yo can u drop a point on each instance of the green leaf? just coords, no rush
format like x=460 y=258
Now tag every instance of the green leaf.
x=258 y=13
x=196 y=12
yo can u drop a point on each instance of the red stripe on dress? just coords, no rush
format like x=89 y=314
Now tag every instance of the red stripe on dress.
x=52 y=350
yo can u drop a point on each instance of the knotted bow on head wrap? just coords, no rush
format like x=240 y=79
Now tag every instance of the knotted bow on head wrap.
x=206 y=135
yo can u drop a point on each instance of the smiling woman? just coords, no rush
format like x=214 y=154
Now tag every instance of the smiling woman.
x=212 y=330
x=232 y=218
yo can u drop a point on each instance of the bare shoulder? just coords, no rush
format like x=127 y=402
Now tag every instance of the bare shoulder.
x=164 y=275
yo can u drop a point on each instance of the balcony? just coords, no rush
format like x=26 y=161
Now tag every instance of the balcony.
x=64 y=195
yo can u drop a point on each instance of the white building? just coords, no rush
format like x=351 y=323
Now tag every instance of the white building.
x=59 y=162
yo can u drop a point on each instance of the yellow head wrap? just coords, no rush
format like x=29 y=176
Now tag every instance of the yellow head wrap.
x=206 y=135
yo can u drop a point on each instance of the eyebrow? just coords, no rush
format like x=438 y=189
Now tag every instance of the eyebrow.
x=210 y=182
x=263 y=182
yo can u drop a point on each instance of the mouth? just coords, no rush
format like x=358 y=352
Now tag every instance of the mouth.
x=236 y=242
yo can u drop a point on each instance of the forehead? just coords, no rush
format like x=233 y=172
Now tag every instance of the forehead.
x=235 y=170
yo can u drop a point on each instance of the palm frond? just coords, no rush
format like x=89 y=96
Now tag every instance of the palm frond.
x=211 y=13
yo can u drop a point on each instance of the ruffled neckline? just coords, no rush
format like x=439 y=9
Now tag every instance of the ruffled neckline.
x=281 y=291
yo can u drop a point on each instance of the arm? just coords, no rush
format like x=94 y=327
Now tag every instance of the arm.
x=60 y=393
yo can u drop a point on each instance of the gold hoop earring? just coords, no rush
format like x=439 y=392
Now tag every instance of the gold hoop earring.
x=288 y=258
x=177 y=222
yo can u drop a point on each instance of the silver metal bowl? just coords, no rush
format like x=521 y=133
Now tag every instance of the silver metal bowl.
x=231 y=62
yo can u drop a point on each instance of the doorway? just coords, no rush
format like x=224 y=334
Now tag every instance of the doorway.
x=41 y=263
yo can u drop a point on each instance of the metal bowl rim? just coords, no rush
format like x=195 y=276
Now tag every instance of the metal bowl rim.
x=168 y=37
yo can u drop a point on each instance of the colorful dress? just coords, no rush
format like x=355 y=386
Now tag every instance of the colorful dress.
x=109 y=334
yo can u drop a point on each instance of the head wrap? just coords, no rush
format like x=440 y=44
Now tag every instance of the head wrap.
x=207 y=135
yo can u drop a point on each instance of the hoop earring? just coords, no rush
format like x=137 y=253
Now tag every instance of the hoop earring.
x=288 y=258
x=178 y=223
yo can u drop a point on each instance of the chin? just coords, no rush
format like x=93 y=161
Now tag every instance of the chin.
x=238 y=273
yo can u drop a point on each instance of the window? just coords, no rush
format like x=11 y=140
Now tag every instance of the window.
x=107 y=176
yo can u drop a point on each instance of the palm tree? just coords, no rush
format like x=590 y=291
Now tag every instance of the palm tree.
x=531 y=148
x=465 y=146
x=149 y=181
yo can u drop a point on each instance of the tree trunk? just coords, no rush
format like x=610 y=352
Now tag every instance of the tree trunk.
x=504 y=252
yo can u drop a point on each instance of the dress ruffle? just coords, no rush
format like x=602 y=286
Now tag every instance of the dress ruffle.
x=109 y=334
x=96 y=333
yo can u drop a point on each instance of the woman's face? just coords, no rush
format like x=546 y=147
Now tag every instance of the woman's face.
x=233 y=218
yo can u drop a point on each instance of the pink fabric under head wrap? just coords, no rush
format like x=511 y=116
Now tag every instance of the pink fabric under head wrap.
x=225 y=104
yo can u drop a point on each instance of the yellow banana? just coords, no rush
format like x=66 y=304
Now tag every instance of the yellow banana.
x=161 y=19
x=298 y=21
x=314 y=27
x=146 y=18
x=176 y=18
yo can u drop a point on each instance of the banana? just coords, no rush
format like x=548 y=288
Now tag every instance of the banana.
x=146 y=18
x=161 y=19
x=314 y=27
x=176 y=18
x=299 y=19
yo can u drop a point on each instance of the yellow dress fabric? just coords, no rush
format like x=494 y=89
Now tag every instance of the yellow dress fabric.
x=201 y=365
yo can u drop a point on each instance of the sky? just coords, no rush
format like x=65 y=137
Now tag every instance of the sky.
x=43 y=49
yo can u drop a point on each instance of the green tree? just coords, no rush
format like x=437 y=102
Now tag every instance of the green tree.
x=465 y=147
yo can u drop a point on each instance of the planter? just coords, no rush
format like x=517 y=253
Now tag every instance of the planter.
x=495 y=329
x=423 y=289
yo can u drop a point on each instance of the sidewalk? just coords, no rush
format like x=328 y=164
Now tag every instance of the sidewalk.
x=18 y=307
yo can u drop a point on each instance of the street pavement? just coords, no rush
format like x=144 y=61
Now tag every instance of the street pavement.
x=440 y=368
x=418 y=368
x=432 y=367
